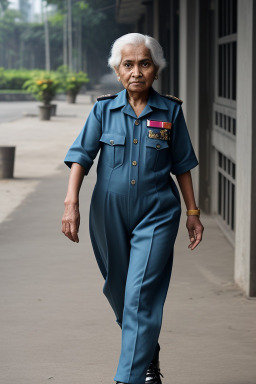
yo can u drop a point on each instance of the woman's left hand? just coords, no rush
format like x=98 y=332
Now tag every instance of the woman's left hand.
x=195 y=231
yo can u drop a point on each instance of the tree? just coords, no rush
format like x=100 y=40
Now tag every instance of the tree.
x=93 y=29
x=3 y=5
x=46 y=37
x=9 y=37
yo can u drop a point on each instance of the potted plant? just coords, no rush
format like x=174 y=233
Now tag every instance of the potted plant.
x=73 y=84
x=44 y=89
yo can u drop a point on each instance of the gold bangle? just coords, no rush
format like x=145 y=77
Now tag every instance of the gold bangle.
x=193 y=212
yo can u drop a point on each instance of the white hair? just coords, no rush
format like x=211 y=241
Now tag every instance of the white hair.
x=152 y=44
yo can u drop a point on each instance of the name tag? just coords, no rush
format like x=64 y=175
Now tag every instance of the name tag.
x=163 y=134
x=159 y=124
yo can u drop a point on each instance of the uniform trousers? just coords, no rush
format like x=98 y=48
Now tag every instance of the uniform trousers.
x=133 y=240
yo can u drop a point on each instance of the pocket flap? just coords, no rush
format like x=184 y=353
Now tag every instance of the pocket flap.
x=112 y=139
x=157 y=143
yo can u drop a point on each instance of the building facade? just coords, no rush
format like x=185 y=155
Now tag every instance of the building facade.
x=210 y=47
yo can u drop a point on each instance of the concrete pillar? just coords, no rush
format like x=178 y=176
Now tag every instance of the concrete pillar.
x=157 y=83
x=206 y=98
x=245 y=242
x=189 y=71
x=156 y=19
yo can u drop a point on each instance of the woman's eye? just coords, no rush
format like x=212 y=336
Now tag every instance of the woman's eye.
x=127 y=65
x=145 y=65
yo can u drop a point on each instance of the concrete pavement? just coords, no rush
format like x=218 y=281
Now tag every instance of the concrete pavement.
x=40 y=147
x=10 y=111
x=56 y=325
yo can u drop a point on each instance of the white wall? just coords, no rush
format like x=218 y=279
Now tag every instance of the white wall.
x=157 y=83
x=244 y=144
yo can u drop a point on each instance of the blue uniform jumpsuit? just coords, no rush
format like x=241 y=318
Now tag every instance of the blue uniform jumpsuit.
x=134 y=214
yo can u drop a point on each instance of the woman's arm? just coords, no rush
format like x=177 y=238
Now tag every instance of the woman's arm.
x=71 y=216
x=194 y=226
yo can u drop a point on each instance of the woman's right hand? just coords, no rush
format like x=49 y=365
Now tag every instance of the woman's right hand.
x=71 y=221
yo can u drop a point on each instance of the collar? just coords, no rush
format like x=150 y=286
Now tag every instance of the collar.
x=155 y=100
x=120 y=100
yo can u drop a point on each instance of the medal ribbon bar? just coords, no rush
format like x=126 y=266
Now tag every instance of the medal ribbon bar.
x=159 y=124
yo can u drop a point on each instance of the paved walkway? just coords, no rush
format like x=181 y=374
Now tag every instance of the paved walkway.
x=56 y=325
x=40 y=147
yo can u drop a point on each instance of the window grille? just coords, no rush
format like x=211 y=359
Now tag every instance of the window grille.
x=227 y=17
x=227 y=70
x=225 y=121
x=226 y=190
x=224 y=113
x=227 y=46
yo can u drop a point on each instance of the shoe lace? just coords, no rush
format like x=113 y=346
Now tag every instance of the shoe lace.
x=153 y=372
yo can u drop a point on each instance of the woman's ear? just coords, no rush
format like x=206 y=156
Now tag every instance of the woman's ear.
x=156 y=73
x=117 y=73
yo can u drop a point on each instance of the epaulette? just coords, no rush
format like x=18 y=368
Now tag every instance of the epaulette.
x=105 y=97
x=174 y=98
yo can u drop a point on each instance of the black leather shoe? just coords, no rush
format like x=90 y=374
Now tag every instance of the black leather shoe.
x=153 y=374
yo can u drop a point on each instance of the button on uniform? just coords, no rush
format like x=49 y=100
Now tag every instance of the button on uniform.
x=111 y=142
x=133 y=182
x=134 y=162
x=158 y=146
x=135 y=141
x=137 y=122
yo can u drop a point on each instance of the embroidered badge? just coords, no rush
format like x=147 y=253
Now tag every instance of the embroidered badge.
x=159 y=124
x=163 y=134
x=174 y=98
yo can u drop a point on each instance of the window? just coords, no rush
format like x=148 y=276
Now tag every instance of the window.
x=227 y=36
x=224 y=113
x=225 y=120
x=226 y=190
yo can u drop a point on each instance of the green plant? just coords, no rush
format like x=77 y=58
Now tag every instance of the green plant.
x=43 y=88
x=71 y=82
x=2 y=78
x=74 y=81
x=13 y=78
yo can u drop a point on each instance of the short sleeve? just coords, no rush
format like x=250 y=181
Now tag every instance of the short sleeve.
x=86 y=146
x=182 y=152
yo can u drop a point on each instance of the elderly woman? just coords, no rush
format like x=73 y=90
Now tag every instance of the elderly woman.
x=135 y=207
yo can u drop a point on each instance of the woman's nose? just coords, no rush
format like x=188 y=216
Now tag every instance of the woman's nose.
x=136 y=71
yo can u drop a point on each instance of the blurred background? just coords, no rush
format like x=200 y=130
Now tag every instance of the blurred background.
x=210 y=47
x=38 y=34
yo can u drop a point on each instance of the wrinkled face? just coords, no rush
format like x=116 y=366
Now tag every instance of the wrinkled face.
x=136 y=70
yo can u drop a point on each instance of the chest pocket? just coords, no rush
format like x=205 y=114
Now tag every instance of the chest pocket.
x=112 y=149
x=157 y=154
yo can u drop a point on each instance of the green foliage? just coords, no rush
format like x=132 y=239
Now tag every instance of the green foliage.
x=2 y=79
x=94 y=28
x=74 y=81
x=13 y=78
x=9 y=24
x=13 y=91
x=82 y=6
x=56 y=20
x=43 y=86
x=71 y=81
x=4 y=5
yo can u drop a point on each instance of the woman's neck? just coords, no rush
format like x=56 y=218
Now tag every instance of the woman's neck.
x=138 y=101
